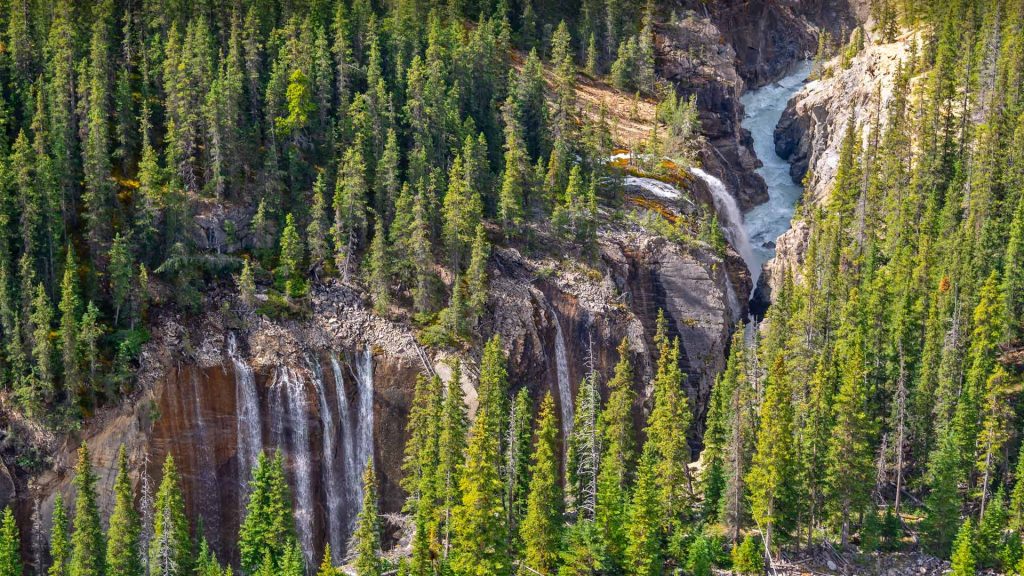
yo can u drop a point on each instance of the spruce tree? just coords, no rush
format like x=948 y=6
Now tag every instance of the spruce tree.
x=170 y=551
x=60 y=546
x=88 y=549
x=69 y=305
x=773 y=470
x=378 y=269
x=10 y=545
x=476 y=276
x=643 y=549
x=963 y=562
x=451 y=448
x=541 y=528
x=267 y=528
x=616 y=469
x=123 y=533
x=479 y=531
x=291 y=256
x=367 y=533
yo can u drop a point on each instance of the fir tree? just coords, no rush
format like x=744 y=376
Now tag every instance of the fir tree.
x=643 y=548
x=123 y=534
x=378 y=269
x=963 y=562
x=267 y=528
x=170 y=550
x=60 y=546
x=10 y=545
x=367 y=533
x=616 y=460
x=291 y=258
x=541 y=528
x=88 y=548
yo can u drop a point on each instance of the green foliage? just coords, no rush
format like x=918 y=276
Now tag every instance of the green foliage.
x=963 y=562
x=748 y=557
x=367 y=533
x=170 y=549
x=10 y=544
x=542 y=526
x=88 y=547
x=60 y=546
x=266 y=532
x=123 y=557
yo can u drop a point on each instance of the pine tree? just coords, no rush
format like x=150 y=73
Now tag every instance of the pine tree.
x=990 y=534
x=616 y=424
x=479 y=531
x=350 y=221
x=943 y=502
x=246 y=283
x=1013 y=274
x=462 y=212
x=123 y=533
x=666 y=436
x=10 y=545
x=451 y=448
x=518 y=453
x=367 y=532
x=69 y=305
x=41 y=320
x=963 y=562
x=326 y=567
x=643 y=548
x=541 y=528
x=493 y=387
x=773 y=470
x=170 y=551
x=747 y=558
x=267 y=528
x=318 y=228
x=378 y=269
x=88 y=548
x=476 y=276
x=291 y=258
x=121 y=275
x=60 y=546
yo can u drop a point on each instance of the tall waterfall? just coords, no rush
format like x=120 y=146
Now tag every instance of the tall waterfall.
x=247 y=418
x=364 y=420
x=349 y=468
x=289 y=404
x=730 y=215
x=333 y=487
x=209 y=498
x=565 y=399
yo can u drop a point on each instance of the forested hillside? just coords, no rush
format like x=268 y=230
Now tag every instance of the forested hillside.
x=162 y=158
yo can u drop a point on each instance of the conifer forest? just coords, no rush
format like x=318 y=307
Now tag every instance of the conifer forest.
x=511 y=287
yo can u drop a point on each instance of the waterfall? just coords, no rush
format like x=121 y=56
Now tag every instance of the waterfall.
x=209 y=497
x=349 y=469
x=564 y=386
x=290 y=390
x=364 y=421
x=730 y=217
x=247 y=419
x=332 y=484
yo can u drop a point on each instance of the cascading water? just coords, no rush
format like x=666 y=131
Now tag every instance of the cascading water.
x=349 y=468
x=364 y=421
x=209 y=500
x=764 y=108
x=290 y=394
x=247 y=418
x=730 y=215
x=565 y=399
x=333 y=487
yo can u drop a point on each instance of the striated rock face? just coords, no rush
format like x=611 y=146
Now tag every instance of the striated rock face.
x=811 y=131
x=336 y=389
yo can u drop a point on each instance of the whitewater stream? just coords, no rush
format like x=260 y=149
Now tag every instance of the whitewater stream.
x=766 y=222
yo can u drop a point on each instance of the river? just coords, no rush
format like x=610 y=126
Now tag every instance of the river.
x=766 y=222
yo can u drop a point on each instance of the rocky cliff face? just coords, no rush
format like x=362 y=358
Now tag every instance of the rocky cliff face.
x=335 y=389
x=811 y=131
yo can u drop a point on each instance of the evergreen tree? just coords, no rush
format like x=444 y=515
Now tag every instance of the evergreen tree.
x=773 y=470
x=943 y=502
x=378 y=269
x=10 y=545
x=541 y=528
x=963 y=562
x=476 y=276
x=350 y=193
x=451 y=448
x=616 y=467
x=88 y=548
x=170 y=550
x=367 y=533
x=69 y=322
x=643 y=548
x=267 y=529
x=479 y=531
x=123 y=533
x=60 y=546
x=290 y=263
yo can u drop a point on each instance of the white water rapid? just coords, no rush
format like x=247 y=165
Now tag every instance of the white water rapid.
x=764 y=108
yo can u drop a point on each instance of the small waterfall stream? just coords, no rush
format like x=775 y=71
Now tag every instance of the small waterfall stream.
x=364 y=422
x=565 y=399
x=247 y=418
x=333 y=485
x=209 y=497
x=291 y=386
x=731 y=219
